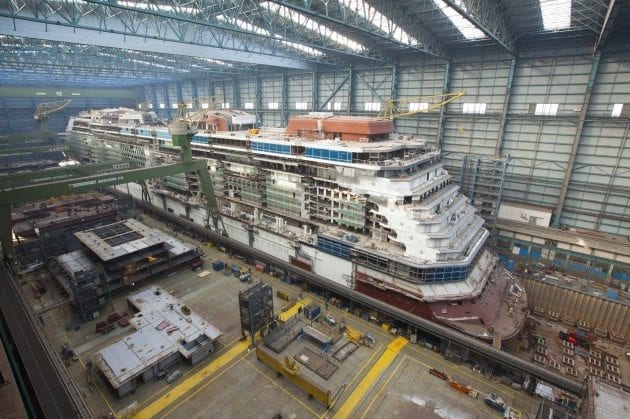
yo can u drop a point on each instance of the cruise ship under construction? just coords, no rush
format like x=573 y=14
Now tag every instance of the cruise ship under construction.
x=343 y=197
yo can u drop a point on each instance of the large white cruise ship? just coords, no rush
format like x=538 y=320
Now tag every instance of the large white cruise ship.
x=343 y=197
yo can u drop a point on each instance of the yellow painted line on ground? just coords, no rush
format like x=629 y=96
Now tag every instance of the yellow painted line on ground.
x=372 y=375
x=185 y=386
x=385 y=384
x=282 y=388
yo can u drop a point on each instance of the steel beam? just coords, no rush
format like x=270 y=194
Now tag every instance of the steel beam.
x=285 y=100
x=22 y=179
x=445 y=87
x=110 y=24
x=605 y=31
x=506 y=106
x=489 y=17
x=352 y=74
x=335 y=91
x=349 y=19
x=23 y=151
x=259 y=104
x=315 y=92
x=576 y=138
x=30 y=193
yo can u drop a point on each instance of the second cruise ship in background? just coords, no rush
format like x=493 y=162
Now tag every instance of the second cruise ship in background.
x=343 y=197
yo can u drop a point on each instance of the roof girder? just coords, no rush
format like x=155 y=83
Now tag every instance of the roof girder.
x=352 y=21
x=100 y=23
x=490 y=17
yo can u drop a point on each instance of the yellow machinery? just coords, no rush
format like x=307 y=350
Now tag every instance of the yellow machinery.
x=354 y=335
x=398 y=108
x=293 y=309
x=291 y=371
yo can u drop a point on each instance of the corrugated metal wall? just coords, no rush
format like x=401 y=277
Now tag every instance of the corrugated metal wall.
x=597 y=311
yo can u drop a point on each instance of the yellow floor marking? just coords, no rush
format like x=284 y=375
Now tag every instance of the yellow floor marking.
x=372 y=375
x=283 y=389
x=191 y=382
x=204 y=385
x=293 y=310
x=385 y=384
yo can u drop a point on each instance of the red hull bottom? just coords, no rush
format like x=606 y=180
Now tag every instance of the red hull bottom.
x=395 y=299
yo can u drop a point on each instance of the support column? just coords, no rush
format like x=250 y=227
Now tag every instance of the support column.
x=285 y=100
x=576 y=139
x=315 y=93
x=154 y=98
x=195 y=93
x=178 y=91
x=351 y=77
x=167 y=101
x=394 y=85
x=445 y=87
x=506 y=105
x=259 y=104
x=236 y=95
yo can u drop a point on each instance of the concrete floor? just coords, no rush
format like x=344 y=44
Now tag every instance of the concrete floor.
x=550 y=331
x=245 y=387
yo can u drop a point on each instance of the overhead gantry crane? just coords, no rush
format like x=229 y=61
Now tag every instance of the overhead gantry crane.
x=401 y=107
x=74 y=180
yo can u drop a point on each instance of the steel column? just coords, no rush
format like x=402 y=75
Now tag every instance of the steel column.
x=236 y=95
x=506 y=106
x=167 y=101
x=315 y=92
x=259 y=104
x=351 y=79
x=576 y=138
x=285 y=100
x=445 y=87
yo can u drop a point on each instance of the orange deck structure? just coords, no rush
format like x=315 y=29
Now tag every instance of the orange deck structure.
x=345 y=128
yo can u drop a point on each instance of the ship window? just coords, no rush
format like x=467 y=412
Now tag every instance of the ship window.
x=249 y=105
x=273 y=105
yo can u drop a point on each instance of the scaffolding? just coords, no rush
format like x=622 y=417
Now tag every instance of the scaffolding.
x=482 y=180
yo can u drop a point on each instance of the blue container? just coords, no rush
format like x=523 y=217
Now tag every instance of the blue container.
x=509 y=265
x=534 y=255
x=523 y=251
x=612 y=294
x=218 y=265
x=313 y=311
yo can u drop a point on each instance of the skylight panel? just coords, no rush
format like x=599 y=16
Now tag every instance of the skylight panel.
x=379 y=21
x=466 y=28
x=556 y=14
x=311 y=25
x=260 y=31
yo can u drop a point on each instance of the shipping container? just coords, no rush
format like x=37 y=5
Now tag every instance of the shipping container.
x=218 y=265
x=312 y=311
